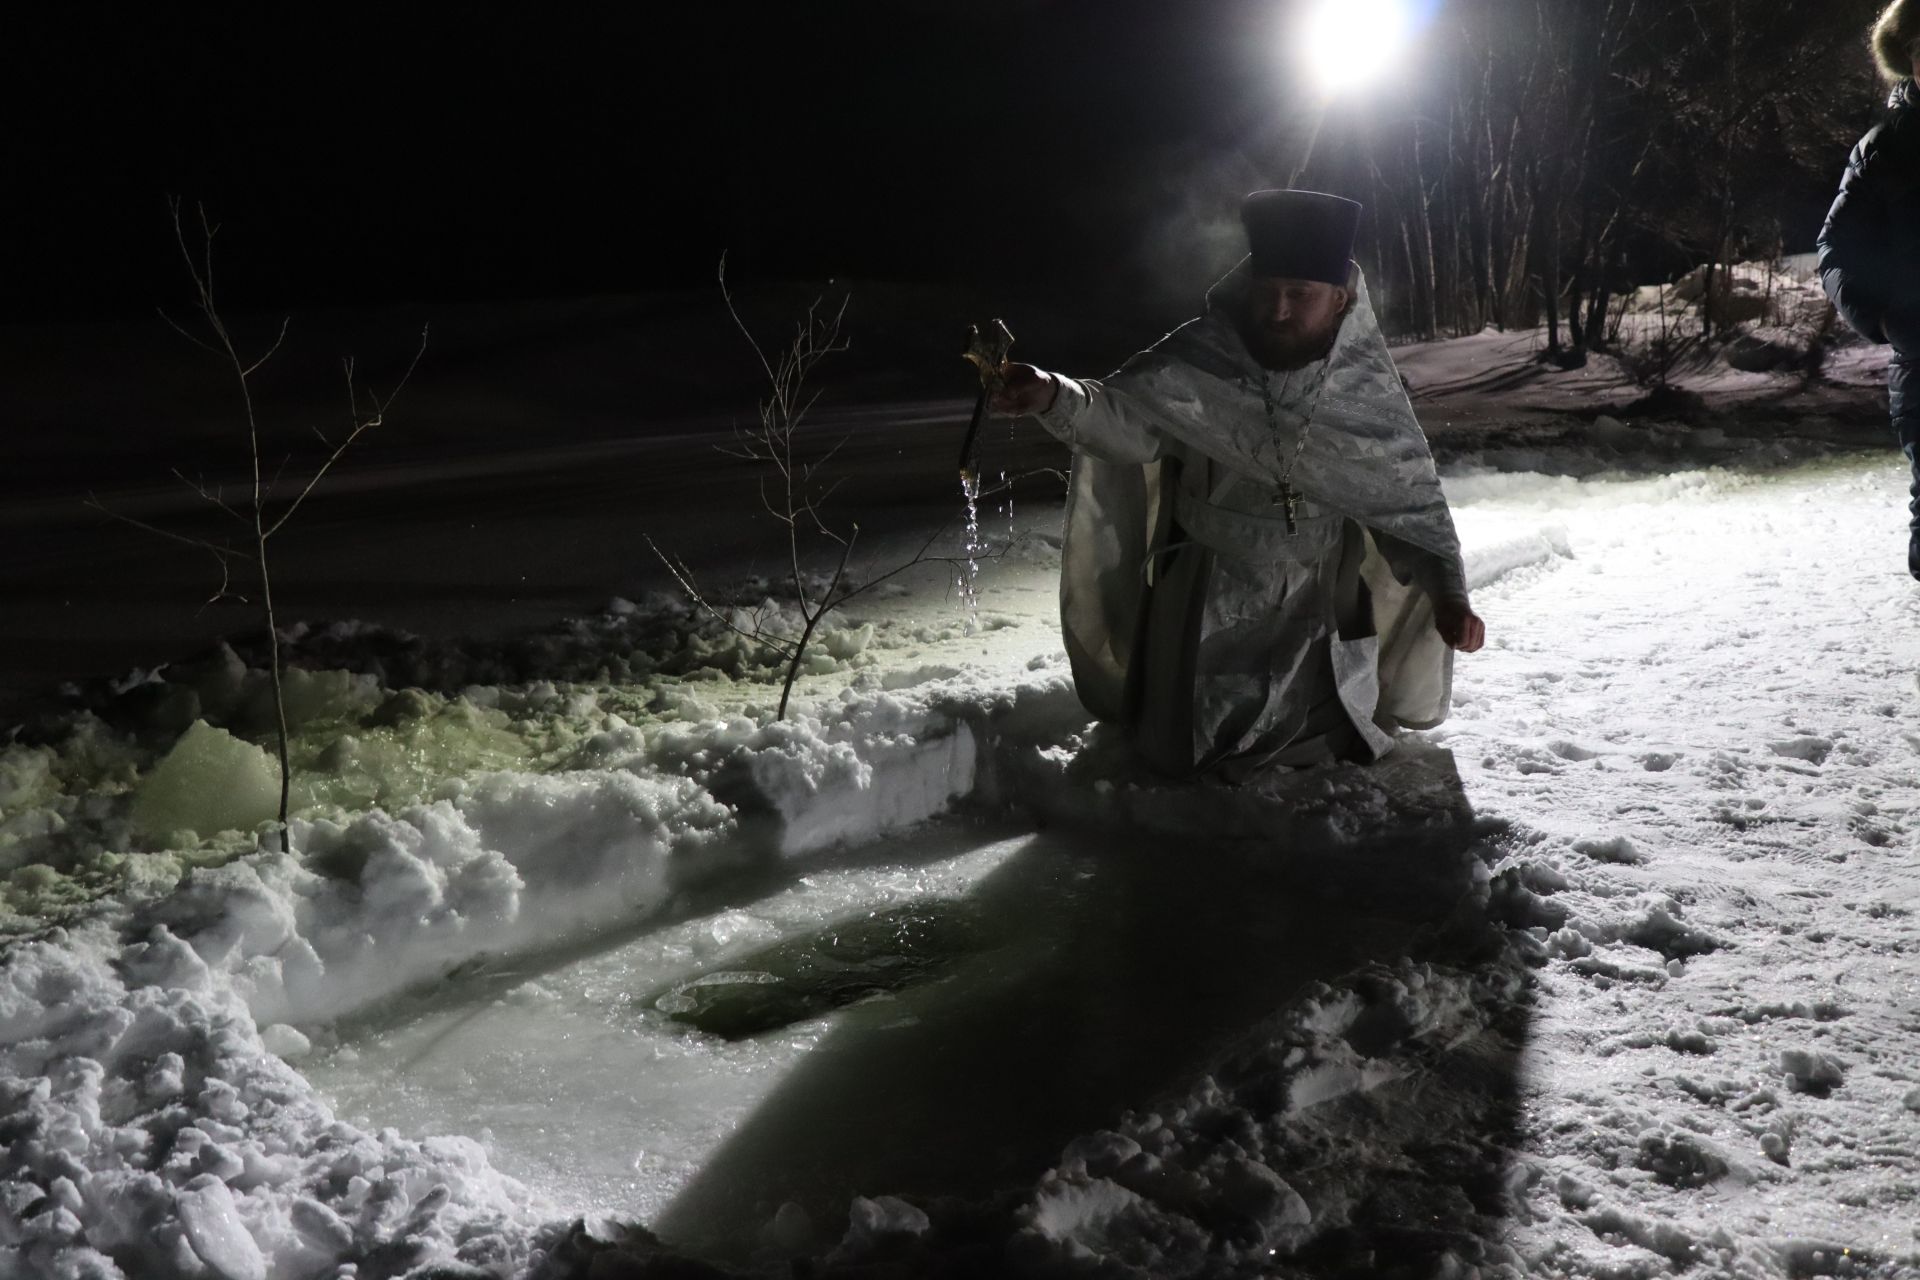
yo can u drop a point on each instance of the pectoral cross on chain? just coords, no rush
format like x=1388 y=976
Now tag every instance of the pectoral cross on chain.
x=1286 y=497
x=1289 y=502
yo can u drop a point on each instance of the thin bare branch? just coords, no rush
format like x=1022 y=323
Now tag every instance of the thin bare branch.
x=213 y=498
x=223 y=591
x=359 y=427
x=684 y=576
x=285 y=461
x=381 y=406
x=741 y=325
x=188 y=334
x=278 y=339
x=201 y=543
x=827 y=600
x=827 y=457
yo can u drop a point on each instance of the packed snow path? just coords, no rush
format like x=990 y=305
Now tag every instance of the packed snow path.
x=1703 y=730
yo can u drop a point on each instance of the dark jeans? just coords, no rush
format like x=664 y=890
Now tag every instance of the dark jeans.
x=1903 y=394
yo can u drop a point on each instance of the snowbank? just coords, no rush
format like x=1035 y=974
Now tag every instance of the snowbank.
x=154 y=1125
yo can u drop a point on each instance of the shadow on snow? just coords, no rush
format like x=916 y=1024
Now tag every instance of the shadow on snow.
x=1105 y=970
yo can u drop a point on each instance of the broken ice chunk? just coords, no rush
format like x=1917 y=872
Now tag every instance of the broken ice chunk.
x=210 y=782
x=216 y=1233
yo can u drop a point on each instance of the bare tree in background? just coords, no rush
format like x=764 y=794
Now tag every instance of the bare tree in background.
x=1752 y=83
x=1546 y=150
x=258 y=514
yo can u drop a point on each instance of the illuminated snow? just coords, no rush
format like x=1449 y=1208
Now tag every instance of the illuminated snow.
x=1689 y=750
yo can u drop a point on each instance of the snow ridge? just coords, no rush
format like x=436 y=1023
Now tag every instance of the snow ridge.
x=152 y=1133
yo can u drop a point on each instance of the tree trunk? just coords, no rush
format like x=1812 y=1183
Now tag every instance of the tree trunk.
x=1413 y=273
x=1577 y=322
x=1602 y=300
x=1706 y=301
x=1430 y=315
x=1549 y=263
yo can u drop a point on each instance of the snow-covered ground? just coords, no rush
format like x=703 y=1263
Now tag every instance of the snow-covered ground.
x=1611 y=976
x=1701 y=729
x=1753 y=377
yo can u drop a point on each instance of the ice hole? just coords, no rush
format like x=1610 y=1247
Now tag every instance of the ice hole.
x=979 y=998
x=571 y=1076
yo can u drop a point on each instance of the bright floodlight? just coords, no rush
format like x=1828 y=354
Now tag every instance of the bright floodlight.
x=1346 y=44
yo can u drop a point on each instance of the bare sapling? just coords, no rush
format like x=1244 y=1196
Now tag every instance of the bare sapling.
x=795 y=481
x=261 y=513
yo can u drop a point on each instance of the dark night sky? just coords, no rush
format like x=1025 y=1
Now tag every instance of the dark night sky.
x=363 y=155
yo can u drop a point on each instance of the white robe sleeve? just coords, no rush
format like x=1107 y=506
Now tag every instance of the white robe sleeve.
x=1102 y=421
x=1441 y=577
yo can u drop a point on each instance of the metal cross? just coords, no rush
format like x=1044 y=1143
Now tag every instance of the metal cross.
x=988 y=352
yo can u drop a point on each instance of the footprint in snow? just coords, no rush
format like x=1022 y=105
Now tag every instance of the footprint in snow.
x=1661 y=930
x=1817 y=1011
x=1681 y=1160
x=1812 y=750
x=1616 y=849
x=1532 y=760
x=1810 y=1071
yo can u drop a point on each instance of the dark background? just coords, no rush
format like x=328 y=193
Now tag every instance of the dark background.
x=355 y=155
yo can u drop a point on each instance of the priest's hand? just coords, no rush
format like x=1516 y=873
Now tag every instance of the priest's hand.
x=1026 y=390
x=1458 y=624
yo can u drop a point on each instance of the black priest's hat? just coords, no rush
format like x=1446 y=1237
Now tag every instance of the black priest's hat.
x=1300 y=235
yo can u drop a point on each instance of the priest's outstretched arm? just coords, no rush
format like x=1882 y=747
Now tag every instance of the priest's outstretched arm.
x=1100 y=419
x=1110 y=420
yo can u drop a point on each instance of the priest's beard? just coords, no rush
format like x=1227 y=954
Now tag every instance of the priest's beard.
x=1290 y=344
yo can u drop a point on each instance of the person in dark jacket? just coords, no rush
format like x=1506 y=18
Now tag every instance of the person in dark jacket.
x=1870 y=246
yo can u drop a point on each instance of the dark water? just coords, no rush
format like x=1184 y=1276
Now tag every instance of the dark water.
x=881 y=954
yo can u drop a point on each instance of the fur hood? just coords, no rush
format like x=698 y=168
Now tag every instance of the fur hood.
x=1895 y=37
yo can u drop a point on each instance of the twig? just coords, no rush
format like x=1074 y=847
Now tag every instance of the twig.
x=215 y=499
x=362 y=425
x=685 y=578
x=201 y=543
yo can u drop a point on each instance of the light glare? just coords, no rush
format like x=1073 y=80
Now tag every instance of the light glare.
x=1348 y=44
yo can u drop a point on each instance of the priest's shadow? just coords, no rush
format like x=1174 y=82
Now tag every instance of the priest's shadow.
x=1107 y=969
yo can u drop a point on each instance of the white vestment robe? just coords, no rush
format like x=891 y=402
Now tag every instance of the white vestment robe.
x=1191 y=613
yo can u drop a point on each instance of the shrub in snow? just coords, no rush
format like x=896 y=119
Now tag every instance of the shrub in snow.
x=794 y=486
x=257 y=513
